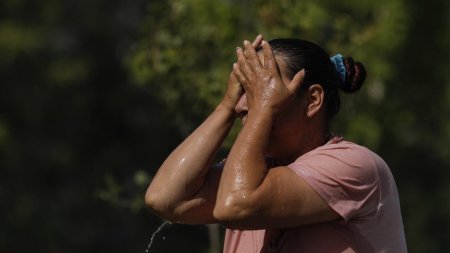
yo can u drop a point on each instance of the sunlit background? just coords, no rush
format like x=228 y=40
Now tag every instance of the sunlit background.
x=95 y=94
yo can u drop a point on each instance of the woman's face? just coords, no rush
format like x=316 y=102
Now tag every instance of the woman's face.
x=287 y=131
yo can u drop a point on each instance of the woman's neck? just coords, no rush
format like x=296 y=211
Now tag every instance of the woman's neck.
x=314 y=137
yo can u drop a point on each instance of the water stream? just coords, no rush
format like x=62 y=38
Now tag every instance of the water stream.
x=155 y=233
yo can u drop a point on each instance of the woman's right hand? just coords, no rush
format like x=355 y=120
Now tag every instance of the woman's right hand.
x=234 y=89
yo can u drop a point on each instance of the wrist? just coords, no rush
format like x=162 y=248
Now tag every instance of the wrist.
x=260 y=118
x=226 y=108
x=227 y=103
x=265 y=114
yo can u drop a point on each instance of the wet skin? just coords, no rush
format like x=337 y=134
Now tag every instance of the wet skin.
x=246 y=194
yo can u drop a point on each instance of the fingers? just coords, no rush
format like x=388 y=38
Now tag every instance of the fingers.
x=244 y=67
x=251 y=56
x=239 y=75
x=270 y=62
x=250 y=50
x=232 y=77
x=235 y=79
x=257 y=42
x=247 y=61
x=297 y=81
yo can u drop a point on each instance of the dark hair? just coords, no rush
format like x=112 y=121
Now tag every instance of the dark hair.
x=299 y=54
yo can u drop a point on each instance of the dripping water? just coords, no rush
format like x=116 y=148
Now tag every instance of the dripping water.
x=154 y=235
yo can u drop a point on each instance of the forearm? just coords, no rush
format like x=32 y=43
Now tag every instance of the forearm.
x=183 y=172
x=246 y=167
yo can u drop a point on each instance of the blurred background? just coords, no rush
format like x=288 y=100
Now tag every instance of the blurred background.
x=95 y=94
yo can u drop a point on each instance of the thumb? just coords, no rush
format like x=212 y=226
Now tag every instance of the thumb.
x=297 y=81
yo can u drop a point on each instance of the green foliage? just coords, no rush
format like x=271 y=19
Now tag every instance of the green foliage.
x=17 y=39
x=114 y=192
x=182 y=58
x=95 y=94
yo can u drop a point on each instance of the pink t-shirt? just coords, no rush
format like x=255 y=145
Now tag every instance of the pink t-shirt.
x=358 y=185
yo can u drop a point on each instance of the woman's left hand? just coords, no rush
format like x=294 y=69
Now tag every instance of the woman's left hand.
x=262 y=82
x=234 y=88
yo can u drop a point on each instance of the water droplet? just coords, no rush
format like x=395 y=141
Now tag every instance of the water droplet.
x=154 y=235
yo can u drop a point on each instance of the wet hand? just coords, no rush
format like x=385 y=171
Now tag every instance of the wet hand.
x=234 y=89
x=262 y=82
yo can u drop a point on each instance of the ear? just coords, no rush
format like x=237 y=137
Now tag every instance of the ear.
x=315 y=97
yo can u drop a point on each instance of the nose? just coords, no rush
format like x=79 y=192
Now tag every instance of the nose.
x=241 y=105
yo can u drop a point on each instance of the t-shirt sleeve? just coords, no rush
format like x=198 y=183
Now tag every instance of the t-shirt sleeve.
x=345 y=176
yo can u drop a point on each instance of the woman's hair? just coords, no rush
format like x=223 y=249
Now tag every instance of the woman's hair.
x=299 y=54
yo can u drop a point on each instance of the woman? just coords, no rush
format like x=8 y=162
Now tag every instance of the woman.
x=287 y=185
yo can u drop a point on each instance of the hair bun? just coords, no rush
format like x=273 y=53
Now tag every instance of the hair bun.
x=354 y=76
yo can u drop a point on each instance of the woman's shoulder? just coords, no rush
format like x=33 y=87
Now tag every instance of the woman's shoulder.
x=341 y=143
x=345 y=174
x=344 y=149
x=343 y=158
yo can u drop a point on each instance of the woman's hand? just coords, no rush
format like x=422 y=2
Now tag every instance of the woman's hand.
x=263 y=83
x=234 y=89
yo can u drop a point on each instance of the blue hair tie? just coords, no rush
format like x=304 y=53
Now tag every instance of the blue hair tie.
x=338 y=61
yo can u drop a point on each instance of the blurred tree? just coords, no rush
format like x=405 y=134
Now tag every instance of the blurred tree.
x=415 y=117
x=95 y=94
x=73 y=131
